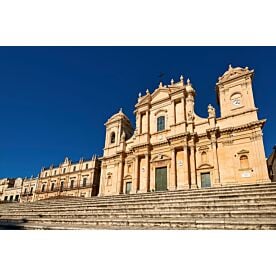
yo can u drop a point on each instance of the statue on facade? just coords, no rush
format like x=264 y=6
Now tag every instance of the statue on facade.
x=211 y=111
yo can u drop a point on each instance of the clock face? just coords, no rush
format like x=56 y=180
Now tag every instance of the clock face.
x=236 y=101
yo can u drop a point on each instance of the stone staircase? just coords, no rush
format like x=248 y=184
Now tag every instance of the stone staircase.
x=236 y=207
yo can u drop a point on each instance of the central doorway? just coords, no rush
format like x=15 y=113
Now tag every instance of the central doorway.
x=161 y=179
x=205 y=180
x=128 y=187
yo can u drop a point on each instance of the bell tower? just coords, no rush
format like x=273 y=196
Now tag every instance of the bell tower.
x=234 y=92
x=118 y=129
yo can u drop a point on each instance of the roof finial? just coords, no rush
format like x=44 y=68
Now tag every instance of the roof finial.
x=160 y=84
x=147 y=91
x=140 y=94
x=181 y=78
x=188 y=81
x=172 y=81
x=230 y=67
x=121 y=110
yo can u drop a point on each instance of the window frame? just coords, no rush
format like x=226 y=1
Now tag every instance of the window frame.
x=161 y=123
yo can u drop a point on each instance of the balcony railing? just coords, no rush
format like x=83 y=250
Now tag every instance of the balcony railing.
x=59 y=189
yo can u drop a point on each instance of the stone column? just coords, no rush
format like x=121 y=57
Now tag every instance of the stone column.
x=186 y=166
x=172 y=184
x=215 y=158
x=139 y=123
x=147 y=188
x=102 y=181
x=193 y=167
x=174 y=115
x=119 y=188
x=136 y=175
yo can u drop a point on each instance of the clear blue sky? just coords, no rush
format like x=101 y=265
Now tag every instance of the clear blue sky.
x=55 y=100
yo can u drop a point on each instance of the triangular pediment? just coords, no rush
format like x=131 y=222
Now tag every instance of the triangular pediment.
x=159 y=95
x=233 y=73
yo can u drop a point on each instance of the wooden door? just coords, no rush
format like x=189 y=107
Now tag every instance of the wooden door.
x=128 y=187
x=161 y=179
x=205 y=180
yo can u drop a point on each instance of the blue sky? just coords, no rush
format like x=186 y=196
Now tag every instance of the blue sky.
x=55 y=100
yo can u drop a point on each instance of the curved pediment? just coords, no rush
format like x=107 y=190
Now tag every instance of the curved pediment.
x=205 y=166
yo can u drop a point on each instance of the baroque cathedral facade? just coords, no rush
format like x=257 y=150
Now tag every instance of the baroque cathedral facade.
x=172 y=148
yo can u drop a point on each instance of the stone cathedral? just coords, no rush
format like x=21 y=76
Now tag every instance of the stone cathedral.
x=172 y=148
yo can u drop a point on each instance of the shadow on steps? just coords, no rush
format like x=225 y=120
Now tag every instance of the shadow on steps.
x=12 y=224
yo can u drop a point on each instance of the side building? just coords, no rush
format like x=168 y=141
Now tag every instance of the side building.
x=28 y=189
x=69 y=179
x=172 y=148
x=11 y=189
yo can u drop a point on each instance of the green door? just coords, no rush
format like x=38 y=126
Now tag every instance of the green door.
x=128 y=187
x=205 y=180
x=161 y=179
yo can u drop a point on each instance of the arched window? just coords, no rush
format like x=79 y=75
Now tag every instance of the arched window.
x=112 y=138
x=43 y=188
x=160 y=123
x=204 y=157
x=244 y=162
x=52 y=186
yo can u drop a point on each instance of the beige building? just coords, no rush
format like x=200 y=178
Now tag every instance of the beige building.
x=28 y=189
x=11 y=189
x=172 y=148
x=69 y=179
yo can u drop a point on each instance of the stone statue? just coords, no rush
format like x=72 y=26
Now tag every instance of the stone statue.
x=211 y=111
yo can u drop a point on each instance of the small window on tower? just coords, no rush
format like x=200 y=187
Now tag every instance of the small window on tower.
x=112 y=138
x=244 y=162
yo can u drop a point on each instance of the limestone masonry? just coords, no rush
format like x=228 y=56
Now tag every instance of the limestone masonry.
x=171 y=147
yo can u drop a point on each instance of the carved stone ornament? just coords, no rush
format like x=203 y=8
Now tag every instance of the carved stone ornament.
x=211 y=111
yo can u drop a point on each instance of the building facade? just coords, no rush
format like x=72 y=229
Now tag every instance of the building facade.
x=69 y=179
x=28 y=189
x=11 y=189
x=172 y=148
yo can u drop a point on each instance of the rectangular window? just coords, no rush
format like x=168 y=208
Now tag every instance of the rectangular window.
x=61 y=185
x=17 y=198
x=6 y=198
x=160 y=123
x=74 y=168
x=84 y=181
x=25 y=191
x=86 y=166
x=52 y=186
x=43 y=188
x=11 y=198
x=72 y=184
x=31 y=191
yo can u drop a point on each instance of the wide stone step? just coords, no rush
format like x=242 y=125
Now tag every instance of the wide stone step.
x=149 y=196
x=197 y=192
x=200 y=223
x=145 y=209
x=206 y=201
x=163 y=214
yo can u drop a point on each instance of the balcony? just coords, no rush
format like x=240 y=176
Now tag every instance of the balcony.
x=59 y=189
